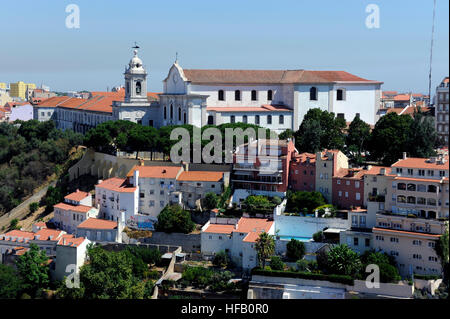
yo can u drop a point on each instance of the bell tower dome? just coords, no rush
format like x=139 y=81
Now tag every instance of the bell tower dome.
x=135 y=79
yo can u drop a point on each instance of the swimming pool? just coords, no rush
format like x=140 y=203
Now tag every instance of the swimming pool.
x=295 y=237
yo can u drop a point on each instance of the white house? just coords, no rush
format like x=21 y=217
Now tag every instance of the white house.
x=100 y=230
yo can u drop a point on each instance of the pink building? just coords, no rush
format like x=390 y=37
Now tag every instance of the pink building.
x=348 y=188
x=302 y=172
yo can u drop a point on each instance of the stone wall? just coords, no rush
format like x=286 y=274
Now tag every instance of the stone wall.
x=188 y=242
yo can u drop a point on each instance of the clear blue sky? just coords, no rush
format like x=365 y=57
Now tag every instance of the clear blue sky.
x=284 y=34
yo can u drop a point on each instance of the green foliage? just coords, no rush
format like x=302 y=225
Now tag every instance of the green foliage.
x=10 y=282
x=200 y=277
x=211 y=200
x=224 y=198
x=297 y=201
x=276 y=263
x=173 y=219
x=14 y=224
x=302 y=265
x=33 y=268
x=318 y=236
x=286 y=134
x=221 y=259
x=258 y=205
x=265 y=247
x=357 y=140
x=320 y=130
x=341 y=260
x=343 y=279
x=33 y=207
x=422 y=136
x=295 y=249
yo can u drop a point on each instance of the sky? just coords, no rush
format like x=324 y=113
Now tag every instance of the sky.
x=37 y=47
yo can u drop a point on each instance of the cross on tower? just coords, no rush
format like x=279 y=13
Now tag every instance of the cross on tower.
x=135 y=45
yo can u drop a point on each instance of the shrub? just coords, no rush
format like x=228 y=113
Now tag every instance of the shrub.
x=318 y=236
x=276 y=200
x=346 y=280
x=295 y=249
x=302 y=265
x=221 y=259
x=14 y=224
x=33 y=207
x=341 y=260
x=276 y=263
x=173 y=219
x=211 y=200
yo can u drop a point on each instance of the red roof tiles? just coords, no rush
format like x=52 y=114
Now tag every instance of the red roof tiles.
x=117 y=184
x=77 y=196
x=156 y=171
x=95 y=223
x=198 y=176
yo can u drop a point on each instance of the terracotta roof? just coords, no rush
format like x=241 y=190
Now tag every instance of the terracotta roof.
x=219 y=229
x=74 y=208
x=198 y=176
x=303 y=157
x=376 y=170
x=44 y=234
x=270 y=76
x=156 y=171
x=404 y=232
x=95 y=223
x=390 y=92
x=116 y=184
x=41 y=224
x=358 y=173
x=55 y=101
x=70 y=240
x=20 y=233
x=77 y=196
x=415 y=162
x=246 y=225
x=402 y=97
x=262 y=108
x=429 y=180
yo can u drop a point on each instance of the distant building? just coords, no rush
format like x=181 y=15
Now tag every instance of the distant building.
x=442 y=110
x=19 y=89
x=21 y=112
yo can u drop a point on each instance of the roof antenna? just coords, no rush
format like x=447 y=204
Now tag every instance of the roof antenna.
x=431 y=54
x=176 y=57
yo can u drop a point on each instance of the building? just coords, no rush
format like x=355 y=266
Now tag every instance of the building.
x=302 y=172
x=76 y=208
x=328 y=163
x=100 y=230
x=237 y=237
x=348 y=188
x=442 y=111
x=4 y=97
x=70 y=256
x=19 y=89
x=21 y=112
x=274 y=99
x=261 y=167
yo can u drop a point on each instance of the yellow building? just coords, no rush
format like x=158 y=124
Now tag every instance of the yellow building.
x=19 y=89
x=3 y=85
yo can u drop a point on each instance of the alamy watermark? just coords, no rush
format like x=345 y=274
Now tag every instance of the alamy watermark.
x=373 y=19
x=73 y=19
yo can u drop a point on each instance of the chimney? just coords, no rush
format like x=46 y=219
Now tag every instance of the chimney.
x=185 y=166
x=404 y=155
x=383 y=171
x=141 y=162
x=136 y=178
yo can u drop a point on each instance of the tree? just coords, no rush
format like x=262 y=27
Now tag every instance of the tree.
x=286 y=134
x=33 y=269
x=318 y=236
x=265 y=247
x=295 y=250
x=341 y=260
x=221 y=259
x=422 y=136
x=386 y=264
x=211 y=200
x=173 y=219
x=276 y=263
x=33 y=207
x=10 y=282
x=258 y=204
x=302 y=199
x=14 y=224
x=390 y=138
x=442 y=251
x=357 y=138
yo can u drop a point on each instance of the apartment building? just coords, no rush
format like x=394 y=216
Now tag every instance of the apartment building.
x=442 y=111
x=100 y=230
x=19 y=89
x=328 y=163
x=261 y=167
x=348 y=188
x=302 y=172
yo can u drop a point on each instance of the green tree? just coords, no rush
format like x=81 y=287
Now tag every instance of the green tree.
x=33 y=207
x=386 y=263
x=286 y=134
x=357 y=139
x=295 y=249
x=318 y=236
x=341 y=260
x=442 y=251
x=221 y=259
x=211 y=200
x=276 y=263
x=10 y=282
x=422 y=136
x=302 y=199
x=173 y=219
x=258 y=204
x=265 y=247
x=33 y=268
x=14 y=224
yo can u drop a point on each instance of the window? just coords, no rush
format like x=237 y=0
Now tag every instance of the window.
x=179 y=113
x=411 y=187
x=152 y=203
x=256 y=119
x=171 y=111
x=410 y=171
x=358 y=196
x=210 y=120
x=340 y=95
x=138 y=88
x=221 y=96
x=357 y=184
x=338 y=182
x=165 y=113
x=161 y=203
x=281 y=121
x=269 y=119
x=367 y=242
x=313 y=94
x=184 y=118
x=254 y=95
x=152 y=191
x=244 y=119
x=232 y=119
x=269 y=95
x=417 y=242
x=401 y=186
x=394 y=240
x=340 y=193
x=432 y=189
x=355 y=241
x=401 y=199
x=237 y=95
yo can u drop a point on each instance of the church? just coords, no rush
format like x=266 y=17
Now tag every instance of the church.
x=274 y=99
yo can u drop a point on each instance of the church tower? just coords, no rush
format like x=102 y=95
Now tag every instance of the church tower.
x=135 y=80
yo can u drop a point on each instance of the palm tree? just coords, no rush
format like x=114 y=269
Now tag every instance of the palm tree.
x=265 y=247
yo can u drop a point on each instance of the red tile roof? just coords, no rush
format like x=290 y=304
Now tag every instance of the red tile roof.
x=70 y=240
x=117 y=184
x=44 y=234
x=246 y=225
x=198 y=176
x=219 y=229
x=156 y=171
x=77 y=196
x=375 y=229
x=74 y=208
x=376 y=170
x=95 y=223
x=20 y=233
x=415 y=162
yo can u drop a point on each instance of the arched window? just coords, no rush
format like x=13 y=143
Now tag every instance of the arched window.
x=281 y=119
x=185 y=120
x=340 y=95
x=421 y=201
x=411 y=200
x=432 y=189
x=412 y=187
x=165 y=112
x=431 y=214
x=421 y=188
x=244 y=119
x=256 y=119
x=128 y=88
x=253 y=95
x=423 y=214
x=431 y=201
x=232 y=119
x=401 y=199
x=269 y=95
x=221 y=95
x=171 y=111
x=269 y=119
x=138 y=88
x=401 y=186
x=237 y=95
x=313 y=93
x=179 y=113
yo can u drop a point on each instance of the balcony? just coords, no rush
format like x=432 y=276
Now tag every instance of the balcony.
x=260 y=179
x=376 y=198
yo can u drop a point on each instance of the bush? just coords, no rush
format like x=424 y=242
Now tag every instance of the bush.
x=276 y=263
x=341 y=260
x=33 y=207
x=221 y=259
x=173 y=219
x=276 y=200
x=318 y=236
x=295 y=249
x=211 y=200
x=302 y=265
x=346 y=280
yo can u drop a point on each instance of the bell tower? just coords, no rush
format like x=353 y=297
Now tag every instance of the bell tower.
x=135 y=79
